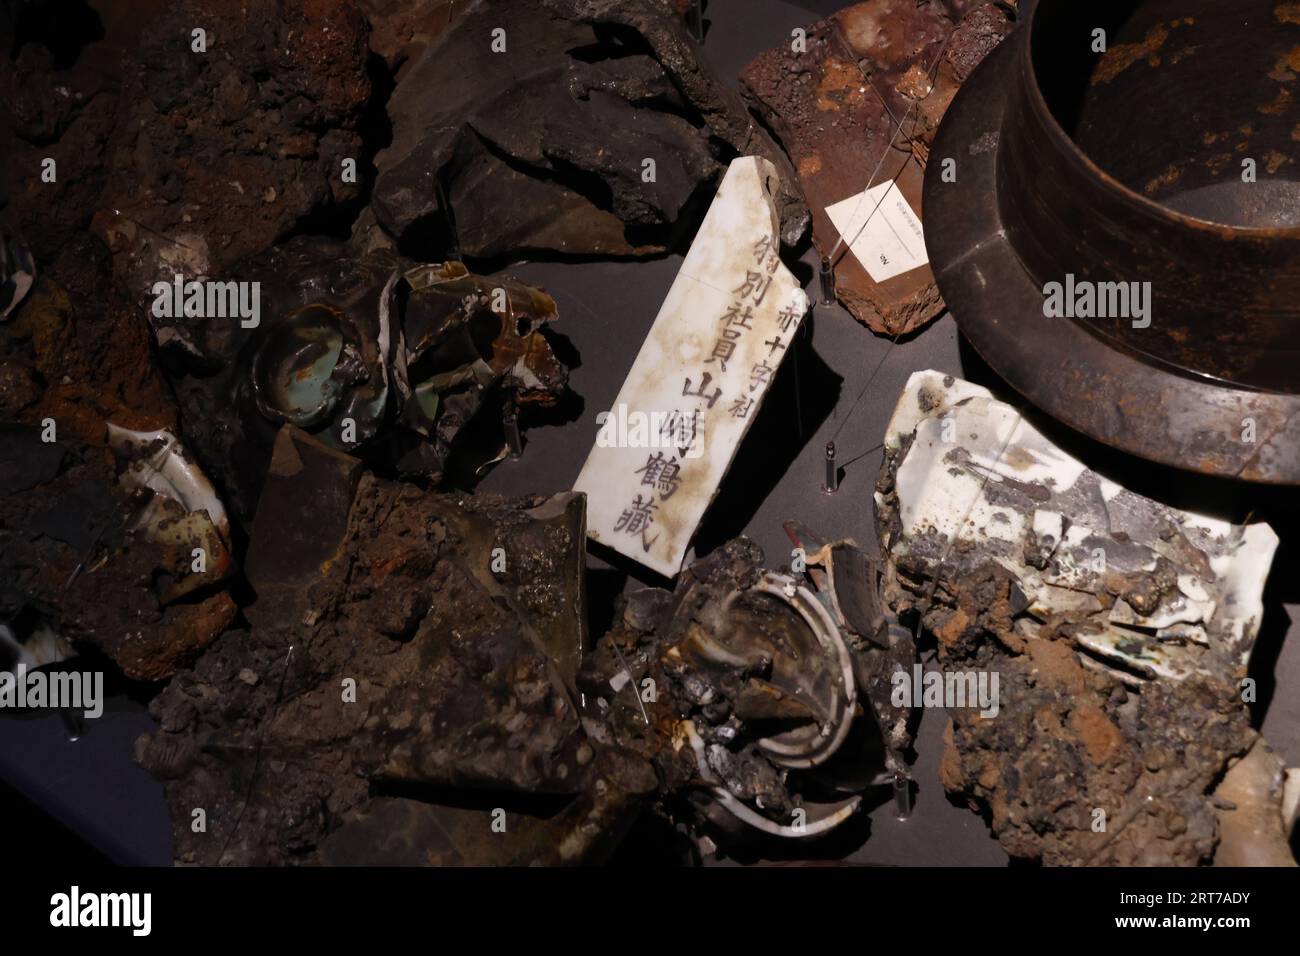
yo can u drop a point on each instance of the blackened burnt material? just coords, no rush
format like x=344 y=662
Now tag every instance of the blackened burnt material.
x=410 y=668
x=577 y=127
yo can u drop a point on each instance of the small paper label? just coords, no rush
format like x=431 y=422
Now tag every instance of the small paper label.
x=886 y=236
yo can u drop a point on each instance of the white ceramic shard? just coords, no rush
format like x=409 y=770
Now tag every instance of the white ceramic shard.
x=971 y=467
x=699 y=379
x=43 y=646
x=159 y=462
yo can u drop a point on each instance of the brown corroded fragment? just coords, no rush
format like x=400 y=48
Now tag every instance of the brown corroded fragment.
x=182 y=159
x=1256 y=819
x=70 y=551
x=79 y=352
x=401 y=29
x=836 y=109
x=435 y=642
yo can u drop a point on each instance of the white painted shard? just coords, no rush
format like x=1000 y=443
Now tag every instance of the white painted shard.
x=699 y=379
x=1150 y=590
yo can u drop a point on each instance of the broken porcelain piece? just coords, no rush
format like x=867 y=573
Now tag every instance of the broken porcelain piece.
x=752 y=686
x=180 y=512
x=373 y=355
x=157 y=460
x=17 y=273
x=699 y=379
x=1151 y=591
x=1117 y=629
x=40 y=647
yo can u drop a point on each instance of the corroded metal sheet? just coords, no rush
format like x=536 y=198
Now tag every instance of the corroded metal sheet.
x=856 y=104
x=1203 y=376
x=698 y=380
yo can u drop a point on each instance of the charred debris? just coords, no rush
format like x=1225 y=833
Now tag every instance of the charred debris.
x=257 y=348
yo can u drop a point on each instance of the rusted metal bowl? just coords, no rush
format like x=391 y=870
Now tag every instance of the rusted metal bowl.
x=1172 y=158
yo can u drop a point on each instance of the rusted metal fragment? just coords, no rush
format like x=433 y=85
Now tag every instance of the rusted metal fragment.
x=1198 y=372
x=837 y=109
x=99 y=545
x=179 y=156
x=1119 y=629
x=413 y=688
x=743 y=683
x=435 y=641
x=50 y=110
x=108 y=561
x=592 y=128
x=401 y=29
x=77 y=351
x=370 y=353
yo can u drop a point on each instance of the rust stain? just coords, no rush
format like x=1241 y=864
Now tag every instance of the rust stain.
x=1101 y=738
x=1287 y=12
x=1119 y=58
x=839 y=81
x=1058 y=666
x=1166 y=178
x=1019 y=459
x=915 y=83
x=1273 y=161
x=810 y=165
x=861 y=28
x=952 y=629
x=876 y=29
x=1279 y=104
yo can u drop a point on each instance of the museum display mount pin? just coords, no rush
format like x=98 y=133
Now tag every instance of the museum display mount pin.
x=510 y=418
x=695 y=20
x=902 y=795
